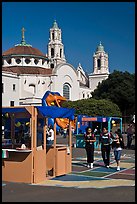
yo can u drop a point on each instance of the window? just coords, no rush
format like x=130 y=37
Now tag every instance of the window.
x=11 y=103
x=60 y=53
x=43 y=61
x=32 y=88
x=52 y=65
x=52 y=36
x=36 y=61
x=27 y=61
x=99 y=63
x=66 y=91
x=52 y=52
x=9 y=61
x=14 y=87
x=18 y=61
x=83 y=95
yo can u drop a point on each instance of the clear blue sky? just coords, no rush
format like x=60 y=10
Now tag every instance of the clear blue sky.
x=83 y=25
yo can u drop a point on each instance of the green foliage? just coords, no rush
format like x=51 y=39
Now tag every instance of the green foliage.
x=120 y=89
x=94 y=107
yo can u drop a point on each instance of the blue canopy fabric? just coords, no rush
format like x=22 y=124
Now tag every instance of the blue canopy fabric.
x=46 y=111
x=13 y=110
x=56 y=112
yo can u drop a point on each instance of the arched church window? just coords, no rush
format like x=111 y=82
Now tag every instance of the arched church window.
x=52 y=36
x=32 y=88
x=60 y=53
x=99 y=63
x=52 y=52
x=36 y=61
x=83 y=95
x=66 y=91
x=18 y=61
x=27 y=61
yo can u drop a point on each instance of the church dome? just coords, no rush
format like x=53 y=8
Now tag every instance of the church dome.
x=23 y=50
x=24 y=54
x=100 y=48
x=55 y=25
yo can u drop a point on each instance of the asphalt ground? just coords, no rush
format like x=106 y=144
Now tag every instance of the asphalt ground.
x=20 y=192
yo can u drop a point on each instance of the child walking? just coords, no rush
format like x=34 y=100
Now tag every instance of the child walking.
x=89 y=138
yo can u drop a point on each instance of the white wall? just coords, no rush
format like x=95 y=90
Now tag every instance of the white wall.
x=9 y=95
x=66 y=74
x=30 y=93
x=95 y=79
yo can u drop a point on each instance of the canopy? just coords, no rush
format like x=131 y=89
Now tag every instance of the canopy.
x=46 y=111
x=56 y=112
x=97 y=118
x=13 y=110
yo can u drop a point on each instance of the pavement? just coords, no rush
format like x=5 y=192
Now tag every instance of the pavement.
x=82 y=184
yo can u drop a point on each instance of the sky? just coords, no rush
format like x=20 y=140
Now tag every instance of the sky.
x=83 y=25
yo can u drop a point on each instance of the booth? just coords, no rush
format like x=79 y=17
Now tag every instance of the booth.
x=35 y=160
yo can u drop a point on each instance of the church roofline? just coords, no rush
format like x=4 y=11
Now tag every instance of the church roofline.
x=62 y=64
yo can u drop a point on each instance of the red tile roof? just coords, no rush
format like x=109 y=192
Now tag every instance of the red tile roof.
x=28 y=70
x=23 y=50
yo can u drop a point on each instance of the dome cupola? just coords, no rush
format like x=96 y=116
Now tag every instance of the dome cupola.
x=100 y=48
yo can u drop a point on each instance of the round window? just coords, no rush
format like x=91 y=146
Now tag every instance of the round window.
x=18 y=61
x=27 y=61
x=36 y=61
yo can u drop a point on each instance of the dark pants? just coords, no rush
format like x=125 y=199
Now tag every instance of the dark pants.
x=105 y=149
x=129 y=141
x=90 y=153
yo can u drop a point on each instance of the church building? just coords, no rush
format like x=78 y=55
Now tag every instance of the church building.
x=27 y=73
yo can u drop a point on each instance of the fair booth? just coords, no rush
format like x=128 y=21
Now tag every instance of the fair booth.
x=36 y=161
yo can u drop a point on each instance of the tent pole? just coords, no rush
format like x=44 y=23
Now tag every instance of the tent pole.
x=54 y=146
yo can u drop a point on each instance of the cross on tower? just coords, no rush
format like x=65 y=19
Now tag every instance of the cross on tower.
x=23 y=30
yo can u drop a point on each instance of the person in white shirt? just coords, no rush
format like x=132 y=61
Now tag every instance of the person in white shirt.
x=50 y=138
x=117 y=145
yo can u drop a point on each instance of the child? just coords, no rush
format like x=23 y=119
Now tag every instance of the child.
x=117 y=145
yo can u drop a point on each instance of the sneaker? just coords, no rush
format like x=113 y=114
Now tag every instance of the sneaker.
x=91 y=165
x=118 y=168
x=107 y=166
x=88 y=166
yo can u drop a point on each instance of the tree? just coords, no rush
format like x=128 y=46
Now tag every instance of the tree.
x=94 y=107
x=119 y=87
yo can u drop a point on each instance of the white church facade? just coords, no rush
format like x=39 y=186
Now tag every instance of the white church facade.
x=27 y=73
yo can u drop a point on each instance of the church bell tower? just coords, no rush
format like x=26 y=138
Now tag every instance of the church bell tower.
x=100 y=67
x=55 y=46
x=100 y=61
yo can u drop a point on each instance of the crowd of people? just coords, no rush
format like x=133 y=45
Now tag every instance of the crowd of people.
x=107 y=141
